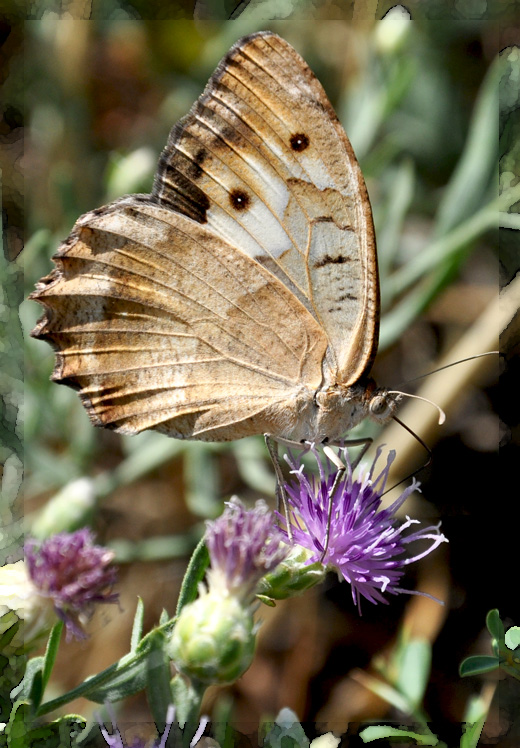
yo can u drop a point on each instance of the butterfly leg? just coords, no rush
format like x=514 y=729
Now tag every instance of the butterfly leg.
x=281 y=494
x=333 y=457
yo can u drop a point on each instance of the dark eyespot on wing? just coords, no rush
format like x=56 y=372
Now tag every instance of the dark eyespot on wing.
x=239 y=199
x=299 y=141
x=328 y=260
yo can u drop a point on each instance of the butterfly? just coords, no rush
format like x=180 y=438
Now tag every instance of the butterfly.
x=241 y=296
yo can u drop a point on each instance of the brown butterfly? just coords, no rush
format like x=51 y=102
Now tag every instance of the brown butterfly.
x=241 y=296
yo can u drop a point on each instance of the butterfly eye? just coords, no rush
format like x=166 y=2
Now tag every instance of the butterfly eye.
x=381 y=407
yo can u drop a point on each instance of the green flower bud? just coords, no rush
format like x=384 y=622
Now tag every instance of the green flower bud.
x=292 y=576
x=214 y=639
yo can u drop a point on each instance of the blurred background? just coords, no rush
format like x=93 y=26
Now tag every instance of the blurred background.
x=419 y=103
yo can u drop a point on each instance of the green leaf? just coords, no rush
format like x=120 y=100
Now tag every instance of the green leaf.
x=33 y=670
x=474 y=719
x=477 y=166
x=195 y=572
x=390 y=225
x=379 y=732
x=137 y=627
x=414 y=670
x=495 y=625
x=124 y=678
x=471 y=734
x=388 y=693
x=477 y=664
x=128 y=677
x=158 y=680
x=51 y=652
x=18 y=725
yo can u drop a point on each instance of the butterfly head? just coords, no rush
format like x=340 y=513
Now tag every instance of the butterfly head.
x=382 y=403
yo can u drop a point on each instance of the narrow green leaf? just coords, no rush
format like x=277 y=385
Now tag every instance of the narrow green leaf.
x=51 y=652
x=471 y=734
x=158 y=680
x=389 y=227
x=477 y=165
x=477 y=664
x=124 y=678
x=388 y=693
x=197 y=566
x=379 y=732
x=474 y=718
x=24 y=689
x=137 y=628
x=18 y=725
x=414 y=670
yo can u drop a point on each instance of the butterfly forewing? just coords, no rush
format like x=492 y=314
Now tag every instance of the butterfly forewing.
x=264 y=147
x=221 y=304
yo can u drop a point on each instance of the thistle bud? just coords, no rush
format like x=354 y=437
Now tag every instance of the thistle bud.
x=214 y=639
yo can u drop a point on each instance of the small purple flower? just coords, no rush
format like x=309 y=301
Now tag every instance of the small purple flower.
x=366 y=545
x=74 y=573
x=244 y=545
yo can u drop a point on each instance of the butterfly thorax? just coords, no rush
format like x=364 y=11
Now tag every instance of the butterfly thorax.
x=336 y=409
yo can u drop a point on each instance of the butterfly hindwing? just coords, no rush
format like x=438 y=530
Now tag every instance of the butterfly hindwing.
x=161 y=324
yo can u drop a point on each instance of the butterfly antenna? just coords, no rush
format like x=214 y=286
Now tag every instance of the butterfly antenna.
x=442 y=414
x=423 y=444
x=447 y=366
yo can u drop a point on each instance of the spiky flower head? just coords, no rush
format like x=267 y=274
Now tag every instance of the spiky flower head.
x=72 y=572
x=244 y=545
x=367 y=545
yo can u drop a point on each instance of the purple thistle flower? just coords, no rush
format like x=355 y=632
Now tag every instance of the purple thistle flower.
x=244 y=545
x=74 y=573
x=366 y=544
